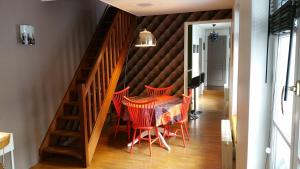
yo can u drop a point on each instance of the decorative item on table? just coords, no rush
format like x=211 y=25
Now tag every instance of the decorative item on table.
x=27 y=35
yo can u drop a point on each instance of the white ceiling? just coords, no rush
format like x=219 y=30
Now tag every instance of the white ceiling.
x=158 y=7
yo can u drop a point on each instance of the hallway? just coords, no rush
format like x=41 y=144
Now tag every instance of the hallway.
x=203 y=151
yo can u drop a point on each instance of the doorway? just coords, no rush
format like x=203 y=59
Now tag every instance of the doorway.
x=206 y=56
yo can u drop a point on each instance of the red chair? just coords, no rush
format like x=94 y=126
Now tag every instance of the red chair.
x=117 y=101
x=184 y=108
x=141 y=114
x=152 y=91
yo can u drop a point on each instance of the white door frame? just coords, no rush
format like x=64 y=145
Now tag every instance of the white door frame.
x=296 y=118
x=186 y=24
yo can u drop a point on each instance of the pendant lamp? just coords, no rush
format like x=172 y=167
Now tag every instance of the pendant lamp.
x=213 y=35
x=145 y=39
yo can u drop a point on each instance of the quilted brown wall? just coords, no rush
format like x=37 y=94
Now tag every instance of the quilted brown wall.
x=162 y=66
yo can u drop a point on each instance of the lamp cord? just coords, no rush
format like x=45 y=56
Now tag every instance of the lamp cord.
x=125 y=73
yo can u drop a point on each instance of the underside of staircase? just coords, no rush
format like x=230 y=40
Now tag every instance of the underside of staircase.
x=76 y=127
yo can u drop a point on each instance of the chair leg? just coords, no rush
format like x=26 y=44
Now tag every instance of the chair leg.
x=133 y=138
x=117 y=126
x=166 y=131
x=140 y=135
x=182 y=134
x=187 y=132
x=156 y=130
x=128 y=129
x=149 y=138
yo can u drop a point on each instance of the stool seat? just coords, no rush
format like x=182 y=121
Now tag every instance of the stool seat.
x=4 y=139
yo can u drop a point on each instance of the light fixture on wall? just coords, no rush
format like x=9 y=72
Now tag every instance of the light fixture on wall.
x=145 y=39
x=213 y=35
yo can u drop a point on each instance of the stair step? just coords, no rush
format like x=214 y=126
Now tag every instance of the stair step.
x=69 y=151
x=66 y=133
x=73 y=95
x=80 y=80
x=72 y=103
x=69 y=117
x=86 y=68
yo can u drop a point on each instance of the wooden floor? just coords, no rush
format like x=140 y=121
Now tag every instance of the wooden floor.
x=203 y=151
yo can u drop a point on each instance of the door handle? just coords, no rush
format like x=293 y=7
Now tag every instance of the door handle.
x=296 y=88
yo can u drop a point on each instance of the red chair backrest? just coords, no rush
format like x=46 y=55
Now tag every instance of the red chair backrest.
x=141 y=113
x=185 y=105
x=152 y=91
x=118 y=98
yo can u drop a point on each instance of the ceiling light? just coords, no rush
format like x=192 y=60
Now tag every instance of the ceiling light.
x=144 y=4
x=213 y=35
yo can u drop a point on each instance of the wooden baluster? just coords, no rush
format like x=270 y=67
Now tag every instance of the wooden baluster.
x=110 y=54
x=89 y=114
x=83 y=123
x=99 y=89
x=103 y=78
x=107 y=67
x=119 y=35
x=126 y=24
x=114 y=47
x=94 y=100
x=125 y=28
x=122 y=28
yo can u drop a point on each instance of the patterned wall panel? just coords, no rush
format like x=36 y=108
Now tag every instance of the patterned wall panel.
x=162 y=66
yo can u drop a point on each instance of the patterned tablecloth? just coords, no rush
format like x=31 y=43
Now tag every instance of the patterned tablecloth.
x=167 y=109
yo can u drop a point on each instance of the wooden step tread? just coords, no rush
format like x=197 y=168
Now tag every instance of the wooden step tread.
x=72 y=103
x=69 y=117
x=69 y=151
x=66 y=133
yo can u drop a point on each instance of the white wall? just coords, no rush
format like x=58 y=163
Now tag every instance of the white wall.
x=234 y=63
x=260 y=92
x=35 y=78
x=198 y=32
x=253 y=100
x=197 y=58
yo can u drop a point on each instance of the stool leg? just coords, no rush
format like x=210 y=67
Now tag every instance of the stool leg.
x=12 y=159
x=3 y=158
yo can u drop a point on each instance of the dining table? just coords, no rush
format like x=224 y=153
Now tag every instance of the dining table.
x=167 y=111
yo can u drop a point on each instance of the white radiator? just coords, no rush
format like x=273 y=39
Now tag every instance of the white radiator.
x=227 y=147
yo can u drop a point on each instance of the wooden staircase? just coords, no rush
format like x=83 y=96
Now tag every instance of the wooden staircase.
x=76 y=128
